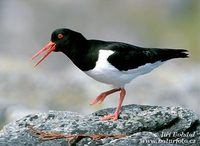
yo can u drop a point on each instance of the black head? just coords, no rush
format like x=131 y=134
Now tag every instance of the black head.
x=61 y=40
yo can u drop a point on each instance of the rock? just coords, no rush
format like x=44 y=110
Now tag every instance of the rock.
x=141 y=125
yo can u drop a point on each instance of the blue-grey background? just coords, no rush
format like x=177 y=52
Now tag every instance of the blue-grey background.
x=56 y=84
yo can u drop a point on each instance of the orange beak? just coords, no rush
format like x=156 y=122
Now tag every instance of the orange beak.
x=50 y=47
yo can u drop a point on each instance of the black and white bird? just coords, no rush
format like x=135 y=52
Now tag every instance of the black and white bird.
x=114 y=63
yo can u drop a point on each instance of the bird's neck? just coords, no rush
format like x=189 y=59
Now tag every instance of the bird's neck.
x=79 y=53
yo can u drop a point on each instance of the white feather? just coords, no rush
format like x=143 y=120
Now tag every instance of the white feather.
x=107 y=73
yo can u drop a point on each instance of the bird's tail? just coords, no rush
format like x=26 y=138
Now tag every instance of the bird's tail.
x=173 y=53
x=180 y=53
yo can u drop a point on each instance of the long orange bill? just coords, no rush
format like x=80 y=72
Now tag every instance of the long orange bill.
x=48 y=48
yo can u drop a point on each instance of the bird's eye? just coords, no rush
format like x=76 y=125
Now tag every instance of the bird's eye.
x=60 y=36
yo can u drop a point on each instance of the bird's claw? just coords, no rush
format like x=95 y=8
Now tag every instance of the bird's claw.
x=113 y=117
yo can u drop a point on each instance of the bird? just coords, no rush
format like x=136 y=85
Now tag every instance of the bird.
x=110 y=62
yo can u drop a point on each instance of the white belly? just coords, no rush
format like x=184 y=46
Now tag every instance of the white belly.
x=107 y=73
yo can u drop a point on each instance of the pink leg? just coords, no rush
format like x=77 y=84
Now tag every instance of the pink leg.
x=115 y=115
x=103 y=95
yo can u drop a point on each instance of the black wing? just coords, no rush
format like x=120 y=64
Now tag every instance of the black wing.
x=129 y=57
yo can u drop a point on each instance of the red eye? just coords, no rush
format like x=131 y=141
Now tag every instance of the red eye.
x=60 y=36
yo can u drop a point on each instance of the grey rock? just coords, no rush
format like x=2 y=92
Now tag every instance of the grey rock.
x=142 y=125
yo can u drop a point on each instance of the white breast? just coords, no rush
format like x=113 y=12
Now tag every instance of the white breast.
x=107 y=73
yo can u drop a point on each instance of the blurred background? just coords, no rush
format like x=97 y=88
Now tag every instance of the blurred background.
x=56 y=84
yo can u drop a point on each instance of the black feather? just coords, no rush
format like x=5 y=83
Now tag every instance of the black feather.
x=129 y=57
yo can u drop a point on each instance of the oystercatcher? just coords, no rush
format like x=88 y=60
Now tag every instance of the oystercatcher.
x=114 y=63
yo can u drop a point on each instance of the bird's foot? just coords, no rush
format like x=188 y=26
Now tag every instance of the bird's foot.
x=113 y=117
x=99 y=99
x=102 y=96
